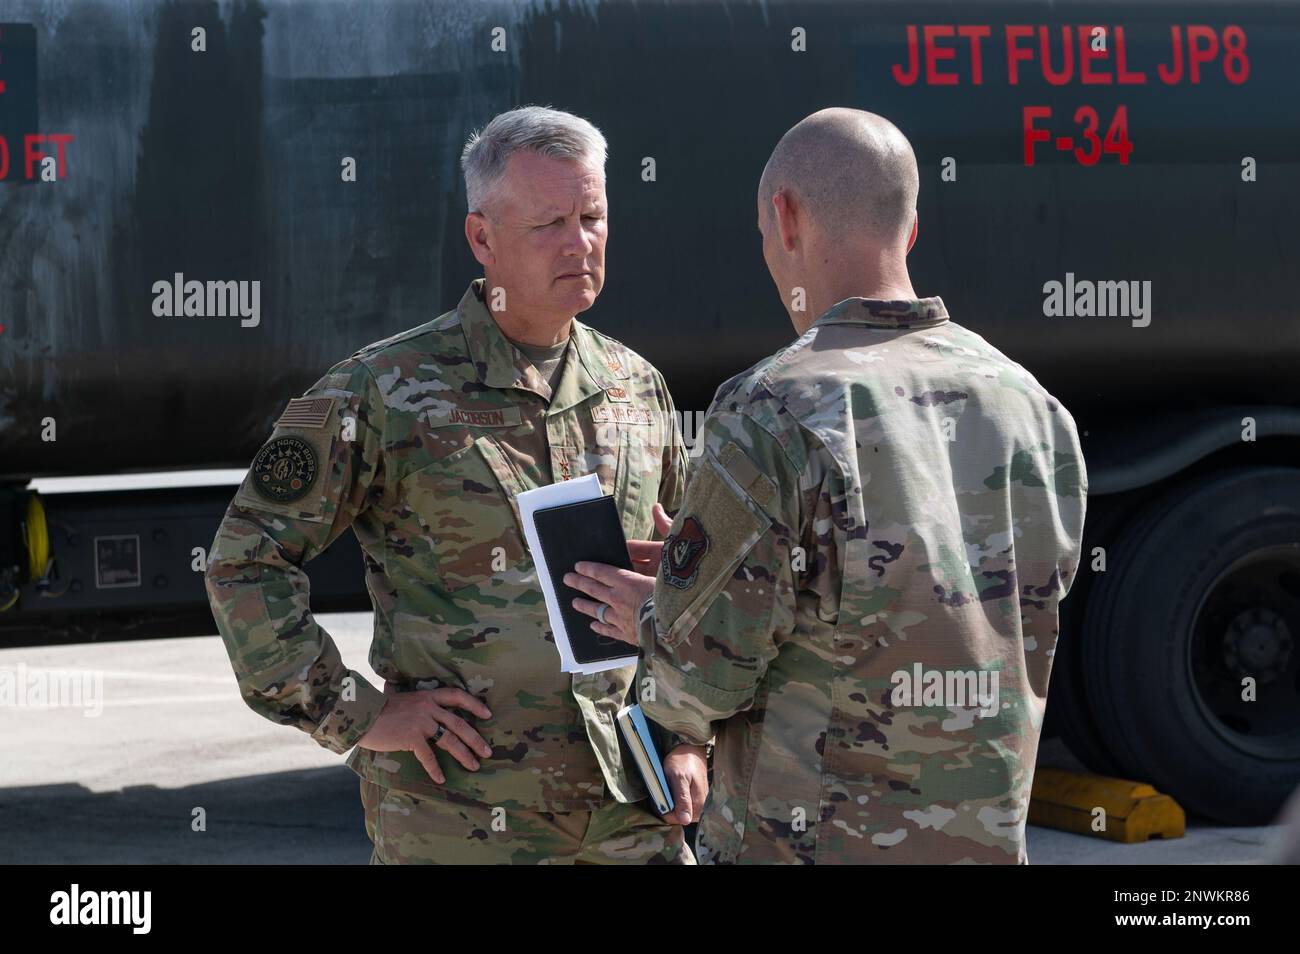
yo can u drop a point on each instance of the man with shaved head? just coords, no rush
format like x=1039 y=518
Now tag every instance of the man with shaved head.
x=857 y=182
x=857 y=601
x=853 y=176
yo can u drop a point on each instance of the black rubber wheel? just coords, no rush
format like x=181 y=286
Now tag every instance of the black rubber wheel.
x=1202 y=591
x=1068 y=711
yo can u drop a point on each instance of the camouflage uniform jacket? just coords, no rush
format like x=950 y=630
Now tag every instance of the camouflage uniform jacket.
x=420 y=443
x=888 y=496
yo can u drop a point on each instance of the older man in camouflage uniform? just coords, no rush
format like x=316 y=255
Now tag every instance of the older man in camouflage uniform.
x=421 y=443
x=885 y=516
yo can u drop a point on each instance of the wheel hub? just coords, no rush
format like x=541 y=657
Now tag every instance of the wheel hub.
x=1257 y=643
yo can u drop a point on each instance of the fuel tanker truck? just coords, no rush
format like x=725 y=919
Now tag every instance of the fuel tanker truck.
x=203 y=206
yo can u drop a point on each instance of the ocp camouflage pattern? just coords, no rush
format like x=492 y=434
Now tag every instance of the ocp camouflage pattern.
x=889 y=490
x=427 y=438
x=408 y=828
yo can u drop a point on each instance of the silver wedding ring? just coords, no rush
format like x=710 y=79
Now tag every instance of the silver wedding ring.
x=442 y=730
x=600 y=613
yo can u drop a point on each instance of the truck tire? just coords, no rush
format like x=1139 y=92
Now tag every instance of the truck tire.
x=1068 y=711
x=1203 y=591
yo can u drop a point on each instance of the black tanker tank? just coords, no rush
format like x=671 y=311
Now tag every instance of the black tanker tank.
x=1109 y=193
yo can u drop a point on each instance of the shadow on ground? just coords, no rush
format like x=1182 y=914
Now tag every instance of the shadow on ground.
x=304 y=817
x=314 y=816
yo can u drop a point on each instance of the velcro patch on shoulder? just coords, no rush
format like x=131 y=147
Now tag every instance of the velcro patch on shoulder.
x=289 y=474
x=719 y=525
x=285 y=469
x=746 y=473
x=308 y=412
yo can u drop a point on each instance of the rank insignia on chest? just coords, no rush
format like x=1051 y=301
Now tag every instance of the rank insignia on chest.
x=285 y=469
x=683 y=552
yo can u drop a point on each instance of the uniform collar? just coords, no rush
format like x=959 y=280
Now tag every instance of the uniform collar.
x=586 y=371
x=900 y=314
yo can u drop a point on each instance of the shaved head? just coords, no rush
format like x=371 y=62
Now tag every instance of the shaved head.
x=853 y=172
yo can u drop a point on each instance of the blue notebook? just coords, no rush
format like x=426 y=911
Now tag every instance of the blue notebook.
x=636 y=733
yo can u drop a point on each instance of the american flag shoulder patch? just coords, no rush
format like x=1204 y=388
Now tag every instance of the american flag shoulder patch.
x=307 y=412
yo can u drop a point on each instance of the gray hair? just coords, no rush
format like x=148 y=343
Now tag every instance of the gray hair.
x=550 y=132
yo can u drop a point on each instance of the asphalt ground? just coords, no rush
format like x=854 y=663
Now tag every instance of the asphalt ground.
x=172 y=736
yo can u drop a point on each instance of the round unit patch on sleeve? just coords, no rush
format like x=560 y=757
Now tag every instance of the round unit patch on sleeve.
x=285 y=469
x=683 y=552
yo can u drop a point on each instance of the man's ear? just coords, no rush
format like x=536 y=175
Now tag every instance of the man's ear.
x=478 y=232
x=787 y=225
x=916 y=224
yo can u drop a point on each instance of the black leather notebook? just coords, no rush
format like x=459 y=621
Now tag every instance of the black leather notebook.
x=590 y=530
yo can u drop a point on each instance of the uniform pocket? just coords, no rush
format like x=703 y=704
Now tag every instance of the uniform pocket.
x=372 y=794
x=463 y=509
x=636 y=463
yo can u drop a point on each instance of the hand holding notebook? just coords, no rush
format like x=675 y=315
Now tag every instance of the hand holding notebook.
x=565 y=523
